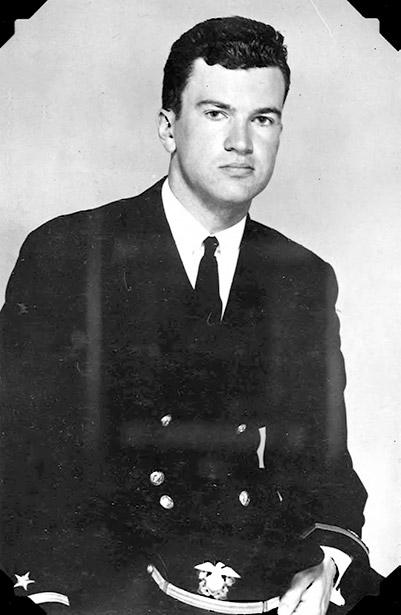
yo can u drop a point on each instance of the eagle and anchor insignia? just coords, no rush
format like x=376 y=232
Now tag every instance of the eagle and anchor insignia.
x=215 y=580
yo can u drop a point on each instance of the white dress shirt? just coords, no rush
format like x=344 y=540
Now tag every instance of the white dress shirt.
x=189 y=235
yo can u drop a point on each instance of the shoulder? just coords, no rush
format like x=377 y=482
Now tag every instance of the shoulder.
x=272 y=244
x=80 y=230
x=298 y=267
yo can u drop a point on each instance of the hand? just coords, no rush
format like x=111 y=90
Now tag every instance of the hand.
x=310 y=590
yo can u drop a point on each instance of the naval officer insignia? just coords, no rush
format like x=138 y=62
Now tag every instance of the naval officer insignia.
x=215 y=580
x=23 y=581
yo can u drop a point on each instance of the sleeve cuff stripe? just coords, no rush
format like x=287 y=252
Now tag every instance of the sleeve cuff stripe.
x=339 y=530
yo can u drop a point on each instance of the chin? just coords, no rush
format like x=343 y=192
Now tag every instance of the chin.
x=245 y=188
x=238 y=195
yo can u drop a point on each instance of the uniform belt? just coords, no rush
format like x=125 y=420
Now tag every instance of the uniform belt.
x=211 y=604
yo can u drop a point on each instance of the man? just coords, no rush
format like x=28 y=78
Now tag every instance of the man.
x=173 y=383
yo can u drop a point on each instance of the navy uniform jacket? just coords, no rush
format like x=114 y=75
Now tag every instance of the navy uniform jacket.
x=130 y=427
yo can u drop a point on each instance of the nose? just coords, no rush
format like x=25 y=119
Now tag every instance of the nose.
x=239 y=138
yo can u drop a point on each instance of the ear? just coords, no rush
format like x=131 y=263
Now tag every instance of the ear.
x=166 y=130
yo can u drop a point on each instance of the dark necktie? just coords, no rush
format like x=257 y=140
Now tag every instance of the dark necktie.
x=207 y=284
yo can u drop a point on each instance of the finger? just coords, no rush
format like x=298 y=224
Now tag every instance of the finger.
x=304 y=608
x=292 y=597
x=313 y=601
x=310 y=602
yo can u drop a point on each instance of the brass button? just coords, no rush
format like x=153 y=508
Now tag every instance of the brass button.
x=166 y=420
x=241 y=428
x=244 y=498
x=167 y=502
x=157 y=478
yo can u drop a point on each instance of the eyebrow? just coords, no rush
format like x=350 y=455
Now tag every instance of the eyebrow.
x=221 y=105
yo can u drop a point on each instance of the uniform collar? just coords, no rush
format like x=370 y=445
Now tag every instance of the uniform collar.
x=188 y=233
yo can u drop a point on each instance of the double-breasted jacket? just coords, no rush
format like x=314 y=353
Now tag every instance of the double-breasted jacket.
x=134 y=431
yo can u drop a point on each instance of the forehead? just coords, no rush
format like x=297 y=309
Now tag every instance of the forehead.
x=251 y=87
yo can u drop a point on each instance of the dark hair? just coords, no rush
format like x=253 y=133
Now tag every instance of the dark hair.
x=232 y=42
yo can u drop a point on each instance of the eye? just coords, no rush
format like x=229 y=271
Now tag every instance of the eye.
x=215 y=115
x=264 y=120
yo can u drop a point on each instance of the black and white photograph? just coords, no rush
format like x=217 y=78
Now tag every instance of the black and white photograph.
x=200 y=309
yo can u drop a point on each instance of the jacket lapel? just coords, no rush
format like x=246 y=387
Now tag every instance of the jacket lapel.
x=250 y=295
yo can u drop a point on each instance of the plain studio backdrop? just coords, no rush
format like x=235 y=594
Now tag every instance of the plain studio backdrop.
x=80 y=91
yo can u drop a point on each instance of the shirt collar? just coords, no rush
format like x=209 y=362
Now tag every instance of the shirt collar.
x=188 y=233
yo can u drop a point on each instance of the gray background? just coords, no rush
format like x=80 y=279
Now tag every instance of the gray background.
x=80 y=91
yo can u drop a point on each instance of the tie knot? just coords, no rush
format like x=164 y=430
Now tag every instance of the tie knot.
x=210 y=244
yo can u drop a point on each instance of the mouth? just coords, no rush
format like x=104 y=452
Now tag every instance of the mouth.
x=237 y=169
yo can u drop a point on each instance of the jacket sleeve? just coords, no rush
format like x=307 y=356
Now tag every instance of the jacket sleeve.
x=339 y=513
x=322 y=483
x=40 y=411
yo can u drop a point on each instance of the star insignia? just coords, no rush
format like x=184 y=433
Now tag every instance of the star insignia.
x=23 y=580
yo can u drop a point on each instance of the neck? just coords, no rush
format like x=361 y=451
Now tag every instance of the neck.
x=213 y=216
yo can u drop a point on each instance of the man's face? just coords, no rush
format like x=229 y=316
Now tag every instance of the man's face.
x=225 y=141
